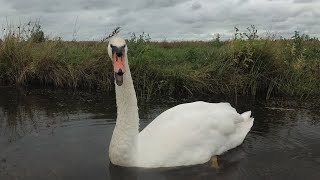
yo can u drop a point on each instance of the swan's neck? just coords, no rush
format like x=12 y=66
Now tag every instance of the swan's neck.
x=123 y=144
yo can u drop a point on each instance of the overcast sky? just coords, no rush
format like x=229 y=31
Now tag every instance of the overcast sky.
x=164 y=19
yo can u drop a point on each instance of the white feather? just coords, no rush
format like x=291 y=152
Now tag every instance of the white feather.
x=191 y=134
x=186 y=134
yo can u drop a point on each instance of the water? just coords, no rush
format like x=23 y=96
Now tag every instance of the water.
x=47 y=134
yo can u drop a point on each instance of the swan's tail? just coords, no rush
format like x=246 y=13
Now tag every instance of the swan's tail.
x=246 y=115
x=248 y=121
x=243 y=127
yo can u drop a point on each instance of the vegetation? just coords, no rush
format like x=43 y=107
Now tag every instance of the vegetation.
x=246 y=65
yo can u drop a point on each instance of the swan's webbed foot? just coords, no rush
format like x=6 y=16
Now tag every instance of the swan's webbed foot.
x=213 y=162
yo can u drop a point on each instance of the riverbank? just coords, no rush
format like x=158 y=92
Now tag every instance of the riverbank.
x=253 y=67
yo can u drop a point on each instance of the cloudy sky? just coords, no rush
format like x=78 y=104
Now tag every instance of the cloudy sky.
x=164 y=19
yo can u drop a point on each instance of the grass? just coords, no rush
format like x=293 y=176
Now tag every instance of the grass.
x=242 y=66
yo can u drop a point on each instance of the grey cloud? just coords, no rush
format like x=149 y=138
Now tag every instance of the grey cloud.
x=304 y=1
x=55 y=6
x=165 y=19
x=160 y=4
x=196 y=6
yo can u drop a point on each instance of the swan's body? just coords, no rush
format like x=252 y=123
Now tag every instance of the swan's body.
x=186 y=134
x=191 y=133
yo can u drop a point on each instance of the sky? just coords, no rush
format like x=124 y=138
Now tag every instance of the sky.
x=164 y=19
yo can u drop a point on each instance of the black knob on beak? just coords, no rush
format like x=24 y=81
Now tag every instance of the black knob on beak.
x=119 y=54
x=118 y=50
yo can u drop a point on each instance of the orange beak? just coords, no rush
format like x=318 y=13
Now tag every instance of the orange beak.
x=118 y=68
x=118 y=63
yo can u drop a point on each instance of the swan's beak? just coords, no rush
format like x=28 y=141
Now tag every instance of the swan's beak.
x=118 y=67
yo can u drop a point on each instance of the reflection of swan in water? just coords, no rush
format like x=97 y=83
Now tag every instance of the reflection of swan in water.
x=187 y=134
x=232 y=164
x=122 y=173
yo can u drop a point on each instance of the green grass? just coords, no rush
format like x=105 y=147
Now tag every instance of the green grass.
x=255 y=67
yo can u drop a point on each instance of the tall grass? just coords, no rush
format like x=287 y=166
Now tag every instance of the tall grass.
x=245 y=65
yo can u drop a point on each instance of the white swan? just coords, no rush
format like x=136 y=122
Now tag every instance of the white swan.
x=186 y=134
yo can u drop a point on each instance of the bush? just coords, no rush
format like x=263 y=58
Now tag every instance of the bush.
x=245 y=65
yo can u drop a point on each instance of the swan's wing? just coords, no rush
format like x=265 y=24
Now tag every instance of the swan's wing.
x=189 y=134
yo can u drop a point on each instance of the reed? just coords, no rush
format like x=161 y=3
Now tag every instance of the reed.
x=242 y=66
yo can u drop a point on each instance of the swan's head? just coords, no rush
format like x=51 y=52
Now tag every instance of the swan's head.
x=117 y=50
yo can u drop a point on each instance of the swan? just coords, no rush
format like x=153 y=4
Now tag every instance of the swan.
x=186 y=134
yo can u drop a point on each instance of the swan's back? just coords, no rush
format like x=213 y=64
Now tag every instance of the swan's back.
x=191 y=133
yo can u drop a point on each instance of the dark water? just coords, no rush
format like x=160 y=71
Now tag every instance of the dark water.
x=48 y=134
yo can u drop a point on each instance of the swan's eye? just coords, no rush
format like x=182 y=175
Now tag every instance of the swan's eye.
x=112 y=46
